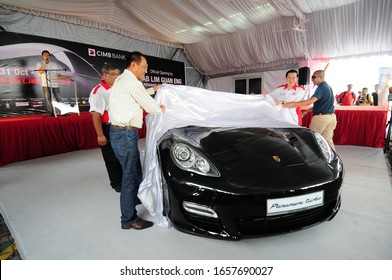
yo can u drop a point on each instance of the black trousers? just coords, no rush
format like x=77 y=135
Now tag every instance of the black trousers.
x=48 y=97
x=112 y=164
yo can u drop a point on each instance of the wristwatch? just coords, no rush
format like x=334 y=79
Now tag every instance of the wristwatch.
x=282 y=102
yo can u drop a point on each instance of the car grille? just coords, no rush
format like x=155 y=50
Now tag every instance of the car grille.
x=281 y=223
x=205 y=223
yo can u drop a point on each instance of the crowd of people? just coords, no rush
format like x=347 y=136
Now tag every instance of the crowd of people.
x=362 y=98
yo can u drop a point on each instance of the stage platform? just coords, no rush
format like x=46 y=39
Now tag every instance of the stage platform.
x=34 y=136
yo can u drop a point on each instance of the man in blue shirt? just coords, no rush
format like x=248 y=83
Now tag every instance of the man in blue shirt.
x=324 y=118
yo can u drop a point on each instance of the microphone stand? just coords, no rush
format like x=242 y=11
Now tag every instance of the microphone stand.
x=388 y=138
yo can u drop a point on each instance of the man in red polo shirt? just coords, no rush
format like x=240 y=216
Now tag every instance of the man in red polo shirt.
x=347 y=98
x=290 y=92
x=99 y=102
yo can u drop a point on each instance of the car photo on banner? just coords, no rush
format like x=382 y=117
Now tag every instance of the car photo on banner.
x=21 y=83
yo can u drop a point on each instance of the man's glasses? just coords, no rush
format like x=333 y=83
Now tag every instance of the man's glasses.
x=314 y=77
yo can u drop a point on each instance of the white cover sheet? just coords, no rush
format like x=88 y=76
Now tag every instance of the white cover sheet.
x=194 y=106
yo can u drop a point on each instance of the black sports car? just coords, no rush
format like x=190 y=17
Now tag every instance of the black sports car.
x=232 y=183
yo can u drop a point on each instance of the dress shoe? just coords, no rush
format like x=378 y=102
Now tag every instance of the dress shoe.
x=138 y=225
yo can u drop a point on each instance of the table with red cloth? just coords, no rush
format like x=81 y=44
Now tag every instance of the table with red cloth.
x=28 y=137
x=357 y=125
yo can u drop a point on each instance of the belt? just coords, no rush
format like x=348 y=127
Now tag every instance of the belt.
x=128 y=127
x=325 y=113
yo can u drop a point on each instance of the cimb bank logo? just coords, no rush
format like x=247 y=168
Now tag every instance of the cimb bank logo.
x=108 y=54
x=91 y=52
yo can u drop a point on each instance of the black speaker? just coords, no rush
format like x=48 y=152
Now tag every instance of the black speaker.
x=303 y=76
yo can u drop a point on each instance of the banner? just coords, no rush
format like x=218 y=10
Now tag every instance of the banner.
x=20 y=82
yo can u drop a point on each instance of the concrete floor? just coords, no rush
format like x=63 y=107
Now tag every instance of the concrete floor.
x=62 y=208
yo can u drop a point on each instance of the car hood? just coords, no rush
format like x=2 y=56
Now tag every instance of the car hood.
x=274 y=156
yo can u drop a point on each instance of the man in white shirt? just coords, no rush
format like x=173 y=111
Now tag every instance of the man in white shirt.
x=99 y=103
x=290 y=92
x=49 y=72
x=127 y=100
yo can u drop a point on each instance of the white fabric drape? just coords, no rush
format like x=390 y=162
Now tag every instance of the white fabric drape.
x=194 y=106
x=221 y=84
x=359 y=28
x=109 y=15
x=270 y=80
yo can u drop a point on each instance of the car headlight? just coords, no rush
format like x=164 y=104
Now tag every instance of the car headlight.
x=188 y=159
x=324 y=147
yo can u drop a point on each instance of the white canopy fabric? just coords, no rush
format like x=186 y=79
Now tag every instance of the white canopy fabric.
x=222 y=37
x=194 y=106
x=177 y=21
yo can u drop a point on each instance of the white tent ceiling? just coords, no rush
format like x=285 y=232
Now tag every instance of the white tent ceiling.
x=176 y=21
x=227 y=36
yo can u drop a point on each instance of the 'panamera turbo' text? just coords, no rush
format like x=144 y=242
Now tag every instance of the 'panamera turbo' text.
x=293 y=204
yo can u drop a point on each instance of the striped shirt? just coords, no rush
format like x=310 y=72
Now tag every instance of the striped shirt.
x=128 y=98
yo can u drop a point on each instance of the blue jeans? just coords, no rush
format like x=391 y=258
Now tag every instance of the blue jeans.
x=124 y=143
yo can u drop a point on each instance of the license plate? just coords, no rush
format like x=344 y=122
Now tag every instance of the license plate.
x=278 y=206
